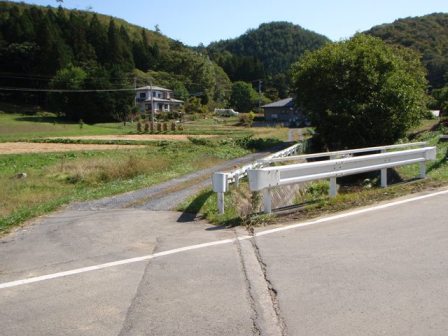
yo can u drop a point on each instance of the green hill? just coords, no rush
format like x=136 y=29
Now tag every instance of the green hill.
x=428 y=35
x=265 y=53
x=38 y=44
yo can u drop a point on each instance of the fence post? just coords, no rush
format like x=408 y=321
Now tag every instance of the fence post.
x=333 y=187
x=267 y=201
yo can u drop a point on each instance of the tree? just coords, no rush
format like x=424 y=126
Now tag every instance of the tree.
x=243 y=98
x=361 y=92
x=69 y=78
x=193 y=105
x=441 y=99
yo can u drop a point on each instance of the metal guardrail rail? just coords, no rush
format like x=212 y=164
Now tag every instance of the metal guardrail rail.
x=263 y=179
x=346 y=153
x=221 y=180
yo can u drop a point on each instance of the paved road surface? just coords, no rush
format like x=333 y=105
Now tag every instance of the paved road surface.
x=378 y=271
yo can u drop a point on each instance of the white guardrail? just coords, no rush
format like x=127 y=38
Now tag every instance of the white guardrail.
x=221 y=180
x=263 y=179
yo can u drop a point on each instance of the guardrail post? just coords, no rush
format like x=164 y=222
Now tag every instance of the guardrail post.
x=383 y=173
x=220 y=202
x=267 y=201
x=333 y=187
x=384 y=178
x=219 y=181
x=422 y=170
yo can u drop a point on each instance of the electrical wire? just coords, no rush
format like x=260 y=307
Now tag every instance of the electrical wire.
x=64 y=90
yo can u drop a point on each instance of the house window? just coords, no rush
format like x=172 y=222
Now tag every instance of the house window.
x=142 y=95
x=159 y=95
x=166 y=107
x=160 y=107
x=154 y=94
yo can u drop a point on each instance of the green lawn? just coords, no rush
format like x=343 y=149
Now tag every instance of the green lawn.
x=15 y=127
x=17 y=123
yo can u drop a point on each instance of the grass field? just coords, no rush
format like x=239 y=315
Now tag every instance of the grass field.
x=16 y=123
x=54 y=179
x=15 y=126
x=57 y=178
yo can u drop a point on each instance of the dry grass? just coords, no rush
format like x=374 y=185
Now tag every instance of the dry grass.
x=29 y=192
x=29 y=147
x=270 y=132
x=136 y=137
x=94 y=171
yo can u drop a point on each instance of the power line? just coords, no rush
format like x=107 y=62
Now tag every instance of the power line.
x=32 y=79
x=64 y=90
x=128 y=75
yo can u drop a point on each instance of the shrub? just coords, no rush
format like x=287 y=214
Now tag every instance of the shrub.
x=200 y=141
x=258 y=143
x=361 y=92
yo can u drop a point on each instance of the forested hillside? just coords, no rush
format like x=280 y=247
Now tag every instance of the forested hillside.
x=427 y=34
x=53 y=48
x=45 y=48
x=265 y=53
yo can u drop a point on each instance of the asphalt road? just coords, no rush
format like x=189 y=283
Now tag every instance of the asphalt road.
x=375 y=271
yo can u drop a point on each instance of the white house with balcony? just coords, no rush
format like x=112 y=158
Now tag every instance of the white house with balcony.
x=157 y=99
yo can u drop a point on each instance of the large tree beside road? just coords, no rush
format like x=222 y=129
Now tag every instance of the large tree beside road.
x=361 y=92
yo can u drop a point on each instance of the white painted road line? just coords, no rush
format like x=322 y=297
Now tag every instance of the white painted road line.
x=214 y=243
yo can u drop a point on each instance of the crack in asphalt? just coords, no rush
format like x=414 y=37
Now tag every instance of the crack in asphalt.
x=267 y=319
x=128 y=320
x=254 y=316
x=272 y=291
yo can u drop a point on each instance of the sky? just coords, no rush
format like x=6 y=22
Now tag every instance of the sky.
x=203 y=21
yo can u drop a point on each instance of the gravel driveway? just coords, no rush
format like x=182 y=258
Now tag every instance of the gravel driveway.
x=167 y=195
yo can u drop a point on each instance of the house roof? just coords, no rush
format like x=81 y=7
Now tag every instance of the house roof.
x=287 y=102
x=148 y=87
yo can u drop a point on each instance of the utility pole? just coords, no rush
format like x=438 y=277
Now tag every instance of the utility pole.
x=259 y=95
x=152 y=102
x=135 y=91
